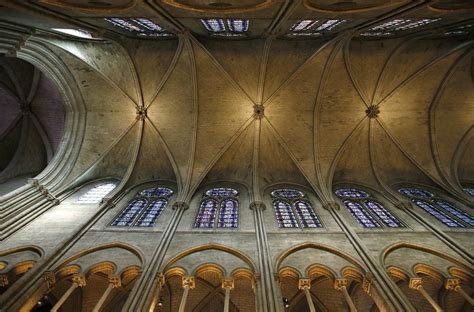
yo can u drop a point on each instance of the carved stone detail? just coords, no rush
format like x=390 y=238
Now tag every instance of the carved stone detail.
x=340 y=283
x=452 y=283
x=141 y=113
x=415 y=283
x=161 y=279
x=80 y=280
x=257 y=205
x=180 y=205
x=228 y=283
x=188 y=282
x=372 y=111
x=115 y=281
x=258 y=111
x=304 y=283
x=367 y=282
x=50 y=279
x=3 y=280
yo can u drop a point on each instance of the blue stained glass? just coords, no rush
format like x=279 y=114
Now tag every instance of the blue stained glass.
x=351 y=193
x=307 y=216
x=455 y=211
x=122 y=23
x=469 y=191
x=151 y=213
x=214 y=25
x=157 y=192
x=229 y=214
x=129 y=214
x=383 y=214
x=222 y=192
x=415 y=192
x=287 y=193
x=207 y=214
x=238 y=25
x=440 y=215
x=284 y=214
x=359 y=213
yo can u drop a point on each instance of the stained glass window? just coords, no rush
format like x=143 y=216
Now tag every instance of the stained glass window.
x=368 y=212
x=96 y=194
x=139 y=26
x=314 y=27
x=396 y=26
x=145 y=208
x=293 y=210
x=226 y=27
x=469 y=191
x=444 y=211
x=221 y=204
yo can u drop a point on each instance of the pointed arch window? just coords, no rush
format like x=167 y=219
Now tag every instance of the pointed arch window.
x=145 y=208
x=219 y=207
x=95 y=194
x=469 y=191
x=293 y=210
x=368 y=212
x=446 y=212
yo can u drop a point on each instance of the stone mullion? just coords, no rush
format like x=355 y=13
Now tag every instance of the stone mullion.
x=141 y=296
x=393 y=299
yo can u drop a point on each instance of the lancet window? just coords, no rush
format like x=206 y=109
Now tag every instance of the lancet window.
x=219 y=207
x=139 y=26
x=145 y=208
x=368 y=212
x=446 y=212
x=96 y=194
x=315 y=27
x=293 y=210
x=226 y=27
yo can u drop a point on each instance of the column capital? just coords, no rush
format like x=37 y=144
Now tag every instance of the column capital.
x=3 y=280
x=50 y=279
x=331 y=206
x=340 y=283
x=415 y=283
x=180 y=206
x=80 y=280
x=304 y=283
x=115 y=281
x=188 y=282
x=257 y=205
x=452 y=283
x=161 y=279
x=367 y=282
x=228 y=283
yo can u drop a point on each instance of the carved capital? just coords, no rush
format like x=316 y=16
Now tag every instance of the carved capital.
x=367 y=282
x=340 y=283
x=257 y=205
x=80 y=280
x=228 y=283
x=372 y=111
x=258 y=111
x=415 y=283
x=50 y=279
x=3 y=280
x=115 y=281
x=161 y=279
x=331 y=206
x=304 y=283
x=33 y=182
x=188 y=282
x=452 y=283
x=180 y=206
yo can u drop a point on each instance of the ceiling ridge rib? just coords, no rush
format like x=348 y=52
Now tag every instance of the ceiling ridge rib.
x=282 y=15
x=10 y=92
x=286 y=148
x=42 y=133
x=347 y=65
x=34 y=86
x=105 y=77
x=263 y=69
x=190 y=165
x=292 y=76
x=12 y=125
x=169 y=71
x=218 y=155
x=407 y=155
x=421 y=70
x=466 y=138
x=21 y=146
x=255 y=194
x=317 y=107
x=218 y=65
x=432 y=126
x=168 y=153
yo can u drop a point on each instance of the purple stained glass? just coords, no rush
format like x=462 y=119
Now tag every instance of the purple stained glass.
x=284 y=214
x=455 y=211
x=222 y=192
x=151 y=213
x=438 y=214
x=415 y=192
x=287 y=193
x=383 y=214
x=359 y=213
x=207 y=214
x=228 y=214
x=351 y=193
x=129 y=214
x=306 y=214
x=157 y=192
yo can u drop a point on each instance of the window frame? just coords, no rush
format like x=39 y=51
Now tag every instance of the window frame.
x=219 y=207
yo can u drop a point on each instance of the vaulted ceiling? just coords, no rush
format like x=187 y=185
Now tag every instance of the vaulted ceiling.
x=267 y=109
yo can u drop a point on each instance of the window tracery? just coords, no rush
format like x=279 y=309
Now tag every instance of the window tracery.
x=226 y=27
x=396 y=26
x=221 y=204
x=96 y=194
x=139 y=26
x=145 y=208
x=315 y=27
x=368 y=212
x=444 y=211
x=293 y=210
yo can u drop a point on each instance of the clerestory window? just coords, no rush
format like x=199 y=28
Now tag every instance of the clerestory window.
x=293 y=209
x=226 y=27
x=219 y=208
x=95 y=194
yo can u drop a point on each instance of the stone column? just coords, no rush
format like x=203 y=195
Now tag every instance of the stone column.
x=228 y=285
x=187 y=283
x=114 y=282
x=341 y=285
x=417 y=284
x=305 y=285
x=77 y=281
x=454 y=284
